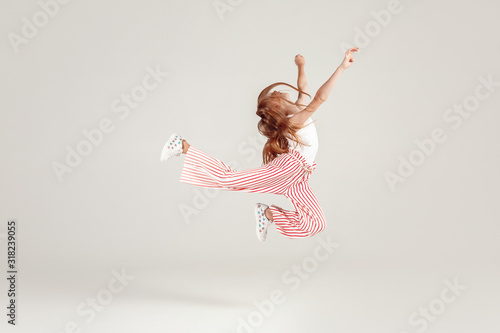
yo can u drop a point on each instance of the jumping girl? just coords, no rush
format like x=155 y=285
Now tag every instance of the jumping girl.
x=288 y=158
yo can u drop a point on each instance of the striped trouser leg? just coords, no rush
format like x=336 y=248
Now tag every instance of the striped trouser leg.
x=307 y=220
x=202 y=170
x=281 y=176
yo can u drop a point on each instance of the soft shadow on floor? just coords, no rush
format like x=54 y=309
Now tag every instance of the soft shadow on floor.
x=187 y=296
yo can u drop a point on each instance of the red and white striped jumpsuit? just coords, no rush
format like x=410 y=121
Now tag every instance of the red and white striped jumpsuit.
x=287 y=174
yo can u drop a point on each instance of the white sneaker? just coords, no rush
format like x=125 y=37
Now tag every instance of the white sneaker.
x=263 y=222
x=173 y=147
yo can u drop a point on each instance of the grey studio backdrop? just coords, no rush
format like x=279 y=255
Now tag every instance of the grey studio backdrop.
x=109 y=240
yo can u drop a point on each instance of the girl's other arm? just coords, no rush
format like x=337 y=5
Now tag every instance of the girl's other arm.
x=301 y=79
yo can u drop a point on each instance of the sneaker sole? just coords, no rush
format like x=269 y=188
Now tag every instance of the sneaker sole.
x=256 y=211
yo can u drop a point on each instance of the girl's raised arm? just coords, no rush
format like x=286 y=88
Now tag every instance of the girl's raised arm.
x=325 y=90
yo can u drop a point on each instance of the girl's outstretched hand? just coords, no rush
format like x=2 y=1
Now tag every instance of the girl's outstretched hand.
x=299 y=60
x=349 y=59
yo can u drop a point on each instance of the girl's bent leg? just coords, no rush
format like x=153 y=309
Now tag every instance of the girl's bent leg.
x=269 y=214
x=185 y=146
x=306 y=221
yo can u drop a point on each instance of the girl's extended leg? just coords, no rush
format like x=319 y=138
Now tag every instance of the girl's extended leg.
x=201 y=169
